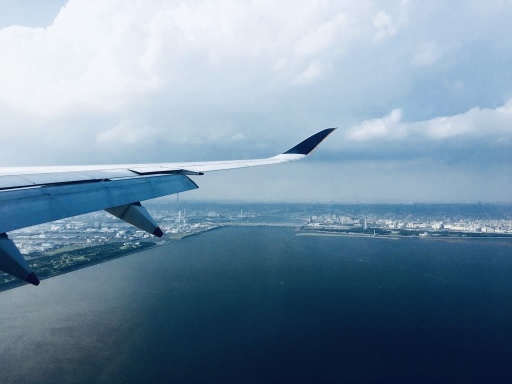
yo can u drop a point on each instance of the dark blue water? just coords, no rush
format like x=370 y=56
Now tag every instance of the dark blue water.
x=254 y=305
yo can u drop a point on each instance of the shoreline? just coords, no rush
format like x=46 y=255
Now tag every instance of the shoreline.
x=341 y=234
x=397 y=236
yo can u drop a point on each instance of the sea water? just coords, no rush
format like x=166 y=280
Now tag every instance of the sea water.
x=264 y=305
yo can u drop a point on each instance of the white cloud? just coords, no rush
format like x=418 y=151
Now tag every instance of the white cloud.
x=387 y=25
x=129 y=81
x=427 y=54
x=387 y=127
x=324 y=37
x=99 y=53
x=384 y=24
x=125 y=132
x=475 y=123
x=313 y=72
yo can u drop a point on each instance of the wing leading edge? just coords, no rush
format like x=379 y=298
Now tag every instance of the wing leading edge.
x=35 y=195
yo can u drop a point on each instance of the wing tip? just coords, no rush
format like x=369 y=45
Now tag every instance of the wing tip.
x=306 y=146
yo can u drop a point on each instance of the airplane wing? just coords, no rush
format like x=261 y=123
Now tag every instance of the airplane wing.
x=35 y=195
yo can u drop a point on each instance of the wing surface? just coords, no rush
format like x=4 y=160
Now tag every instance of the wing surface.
x=35 y=195
x=19 y=177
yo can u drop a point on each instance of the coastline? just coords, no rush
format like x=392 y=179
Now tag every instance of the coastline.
x=347 y=234
x=456 y=237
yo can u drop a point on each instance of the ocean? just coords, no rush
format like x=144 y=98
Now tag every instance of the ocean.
x=268 y=305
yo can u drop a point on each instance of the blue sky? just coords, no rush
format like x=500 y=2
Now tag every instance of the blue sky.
x=421 y=93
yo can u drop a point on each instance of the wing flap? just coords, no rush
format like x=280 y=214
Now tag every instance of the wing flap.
x=14 y=181
x=35 y=179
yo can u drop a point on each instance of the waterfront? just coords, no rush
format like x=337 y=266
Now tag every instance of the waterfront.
x=264 y=305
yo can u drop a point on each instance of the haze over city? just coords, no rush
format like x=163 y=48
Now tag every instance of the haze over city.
x=420 y=92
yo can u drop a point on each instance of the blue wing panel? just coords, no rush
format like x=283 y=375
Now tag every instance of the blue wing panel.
x=30 y=206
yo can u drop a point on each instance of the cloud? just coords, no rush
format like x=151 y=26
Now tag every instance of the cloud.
x=495 y=123
x=480 y=138
x=314 y=71
x=197 y=70
x=388 y=127
x=96 y=53
x=477 y=122
x=126 y=132
x=131 y=81
x=427 y=54
x=323 y=37
x=386 y=25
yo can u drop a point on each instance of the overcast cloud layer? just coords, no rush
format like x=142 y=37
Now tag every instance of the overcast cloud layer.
x=421 y=93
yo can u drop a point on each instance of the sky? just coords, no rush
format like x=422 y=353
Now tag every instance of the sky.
x=421 y=93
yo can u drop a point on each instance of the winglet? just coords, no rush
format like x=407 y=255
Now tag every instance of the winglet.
x=305 y=147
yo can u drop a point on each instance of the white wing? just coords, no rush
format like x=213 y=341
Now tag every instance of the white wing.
x=35 y=195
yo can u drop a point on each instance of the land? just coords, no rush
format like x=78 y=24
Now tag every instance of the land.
x=67 y=245
x=70 y=258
